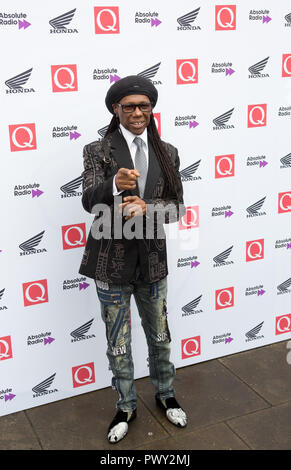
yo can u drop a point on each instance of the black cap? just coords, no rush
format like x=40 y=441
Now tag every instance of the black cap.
x=131 y=85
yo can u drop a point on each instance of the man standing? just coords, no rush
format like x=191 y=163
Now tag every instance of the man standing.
x=134 y=167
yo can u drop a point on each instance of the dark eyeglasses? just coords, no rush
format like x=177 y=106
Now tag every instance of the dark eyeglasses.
x=130 y=108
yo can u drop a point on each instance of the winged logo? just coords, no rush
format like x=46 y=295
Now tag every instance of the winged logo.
x=42 y=386
x=258 y=67
x=187 y=19
x=72 y=186
x=30 y=244
x=16 y=83
x=150 y=72
x=1 y=293
x=288 y=18
x=60 y=22
x=188 y=308
x=287 y=159
x=82 y=330
x=188 y=172
x=222 y=256
x=254 y=331
x=254 y=208
x=223 y=118
x=103 y=131
x=284 y=286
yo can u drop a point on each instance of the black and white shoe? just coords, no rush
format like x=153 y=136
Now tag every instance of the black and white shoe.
x=119 y=426
x=174 y=412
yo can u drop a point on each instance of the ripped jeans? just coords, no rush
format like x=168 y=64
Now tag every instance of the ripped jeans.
x=115 y=309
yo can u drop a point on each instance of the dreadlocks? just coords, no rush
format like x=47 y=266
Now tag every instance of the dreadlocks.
x=172 y=182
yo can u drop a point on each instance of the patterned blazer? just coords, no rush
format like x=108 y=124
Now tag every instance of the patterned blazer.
x=109 y=258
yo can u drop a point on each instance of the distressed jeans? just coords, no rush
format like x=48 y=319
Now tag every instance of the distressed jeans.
x=115 y=310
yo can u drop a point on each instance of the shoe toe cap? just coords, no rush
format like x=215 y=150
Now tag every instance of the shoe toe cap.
x=177 y=416
x=118 y=432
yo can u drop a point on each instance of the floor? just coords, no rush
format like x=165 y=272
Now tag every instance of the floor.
x=242 y=401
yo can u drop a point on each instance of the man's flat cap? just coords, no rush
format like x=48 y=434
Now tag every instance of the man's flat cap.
x=131 y=85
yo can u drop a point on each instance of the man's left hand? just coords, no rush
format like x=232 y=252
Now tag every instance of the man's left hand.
x=132 y=206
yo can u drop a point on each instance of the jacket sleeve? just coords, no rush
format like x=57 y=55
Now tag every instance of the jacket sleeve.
x=97 y=188
x=173 y=207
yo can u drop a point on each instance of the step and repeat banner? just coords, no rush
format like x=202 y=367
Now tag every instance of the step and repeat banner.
x=223 y=73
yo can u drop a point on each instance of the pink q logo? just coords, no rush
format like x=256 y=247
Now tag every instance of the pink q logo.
x=224 y=166
x=190 y=219
x=22 y=137
x=286 y=65
x=106 y=20
x=74 y=236
x=64 y=78
x=191 y=347
x=187 y=71
x=257 y=115
x=35 y=292
x=225 y=17
x=255 y=250
x=5 y=348
x=283 y=324
x=224 y=298
x=83 y=375
x=284 y=202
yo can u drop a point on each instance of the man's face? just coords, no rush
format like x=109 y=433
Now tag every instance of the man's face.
x=137 y=120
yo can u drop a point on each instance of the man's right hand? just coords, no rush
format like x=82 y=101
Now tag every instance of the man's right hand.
x=126 y=179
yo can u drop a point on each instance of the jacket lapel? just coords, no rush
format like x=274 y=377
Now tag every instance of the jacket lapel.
x=154 y=172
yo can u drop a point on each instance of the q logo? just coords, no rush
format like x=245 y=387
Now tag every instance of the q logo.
x=190 y=219
x=106 y=20
x=187 y=71
x=35 y=292
x=191 y=347
x=224 y=298
x=5 y=348
x=22 y=137
x=283 y=324
x=286 y=65
x=157 y=118
x=83 y=375
x=224 y=166
x=284 y=202
x=225 y=17
x=64 y=78
x=255 y=250
x=74 y=236
x=257 y=115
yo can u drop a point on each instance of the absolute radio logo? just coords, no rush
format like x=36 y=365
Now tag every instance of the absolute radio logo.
x=40 y=338
x=187 y=71
x=257 y=69
x=73 y=236
x=188 y=21
x=60 y=23
x=108 y=73
x=223 y=67
x=255 y=290
x=83 y=374
x=22 y=137
x=191 y=347
x=2 y=306
x=189 y=120
x=255 y=250
x=257 y=115
x=191 y=307
x=224 y=211
x=7 y=394
x=222 y=258
x=260 y=15
x=284 y=202
x=224 y=166
x=254 y=209
x=283 y=324
x=77 y=283
x=190 y=261
x=14 y=19
x=187 y=174
x=70 y=189
x=258 y=160
x=35 y=292
x=27 y=190
x=42 y=388
x=190 y=219
x=106 y=20
x=284 y=111
x=16 y=84
x=5 y=348
x=220 y=122
x=28 y=247
x=225 y=338
x=79 y=333
x=66 y=131
x=64 y=78
x=149 y=18
x=283 y=243
x=225 y=17
x=224 y=298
